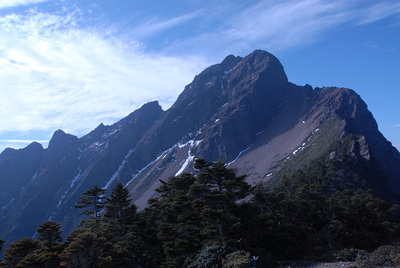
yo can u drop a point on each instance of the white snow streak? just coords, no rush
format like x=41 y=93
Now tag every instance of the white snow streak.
x=8 y=204
x=118 y=171
x=191 y=143
x=300 y=148
x=140 y=171
x=188 y=159
x=35 y=175
x=73 y=181
x=259 y=133
x=239 y=155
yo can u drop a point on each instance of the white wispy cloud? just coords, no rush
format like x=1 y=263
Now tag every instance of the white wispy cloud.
x=154 y=26
x=15 y=3
x=279 y=25
x=378 y=11
x=286 y=23
x=56 y=75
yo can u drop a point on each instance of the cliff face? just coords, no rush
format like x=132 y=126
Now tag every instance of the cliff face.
x=242 y=110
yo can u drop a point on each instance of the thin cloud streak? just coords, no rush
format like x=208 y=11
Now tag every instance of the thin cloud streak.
x=15 y=3
x=378 y=12
x=273 y=24
x=154 y=26
x=281 y=25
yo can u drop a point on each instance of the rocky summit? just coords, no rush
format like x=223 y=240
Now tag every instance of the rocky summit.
x=243 y=111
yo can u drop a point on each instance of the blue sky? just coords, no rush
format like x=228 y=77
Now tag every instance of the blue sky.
x=73 y=64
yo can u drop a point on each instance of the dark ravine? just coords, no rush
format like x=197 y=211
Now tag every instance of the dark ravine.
x=242 y=110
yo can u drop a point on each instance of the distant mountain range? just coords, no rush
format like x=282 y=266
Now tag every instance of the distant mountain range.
x=243 y=111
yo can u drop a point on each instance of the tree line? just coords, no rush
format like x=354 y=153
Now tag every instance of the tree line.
x=214 y=218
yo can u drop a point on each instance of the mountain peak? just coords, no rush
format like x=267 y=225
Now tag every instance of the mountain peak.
x=151 y=106
x=229 y=62
x=60 y=137
x=242 y=110
x=261 y=61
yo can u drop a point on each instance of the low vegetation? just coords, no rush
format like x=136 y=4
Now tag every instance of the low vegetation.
x=215 y=219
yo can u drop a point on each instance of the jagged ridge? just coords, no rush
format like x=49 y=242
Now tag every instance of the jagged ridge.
x=242 y=110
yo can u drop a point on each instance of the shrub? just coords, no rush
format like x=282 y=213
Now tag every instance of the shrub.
x=384 y=256
x=237 y=259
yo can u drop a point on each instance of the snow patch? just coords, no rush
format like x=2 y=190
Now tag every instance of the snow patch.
x=161 y=156
x=185 y=164
x=196 y=143
x=190 y=157
x=164 y=154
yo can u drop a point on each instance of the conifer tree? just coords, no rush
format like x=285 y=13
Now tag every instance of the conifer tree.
x=49 y=232
x=92 y=200
x=198 y=210
x=84 y=249
x=219 y=189
x=117 y=204
x=47 y=254
x=19 y=250
x=177 y=228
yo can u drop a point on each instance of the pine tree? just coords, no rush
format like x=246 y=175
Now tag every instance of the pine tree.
x=177 y=226
x=197 y=210
x=19 y=250
x=47 y=255
x=84 y=249
x=93 y=201
x=219 y=190
x=117 y=204
x=49 y=233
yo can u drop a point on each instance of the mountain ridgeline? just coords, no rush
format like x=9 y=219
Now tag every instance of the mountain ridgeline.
x=242 y=111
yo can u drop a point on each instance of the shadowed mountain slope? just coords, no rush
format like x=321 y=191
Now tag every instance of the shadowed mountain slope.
x=243 y=111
